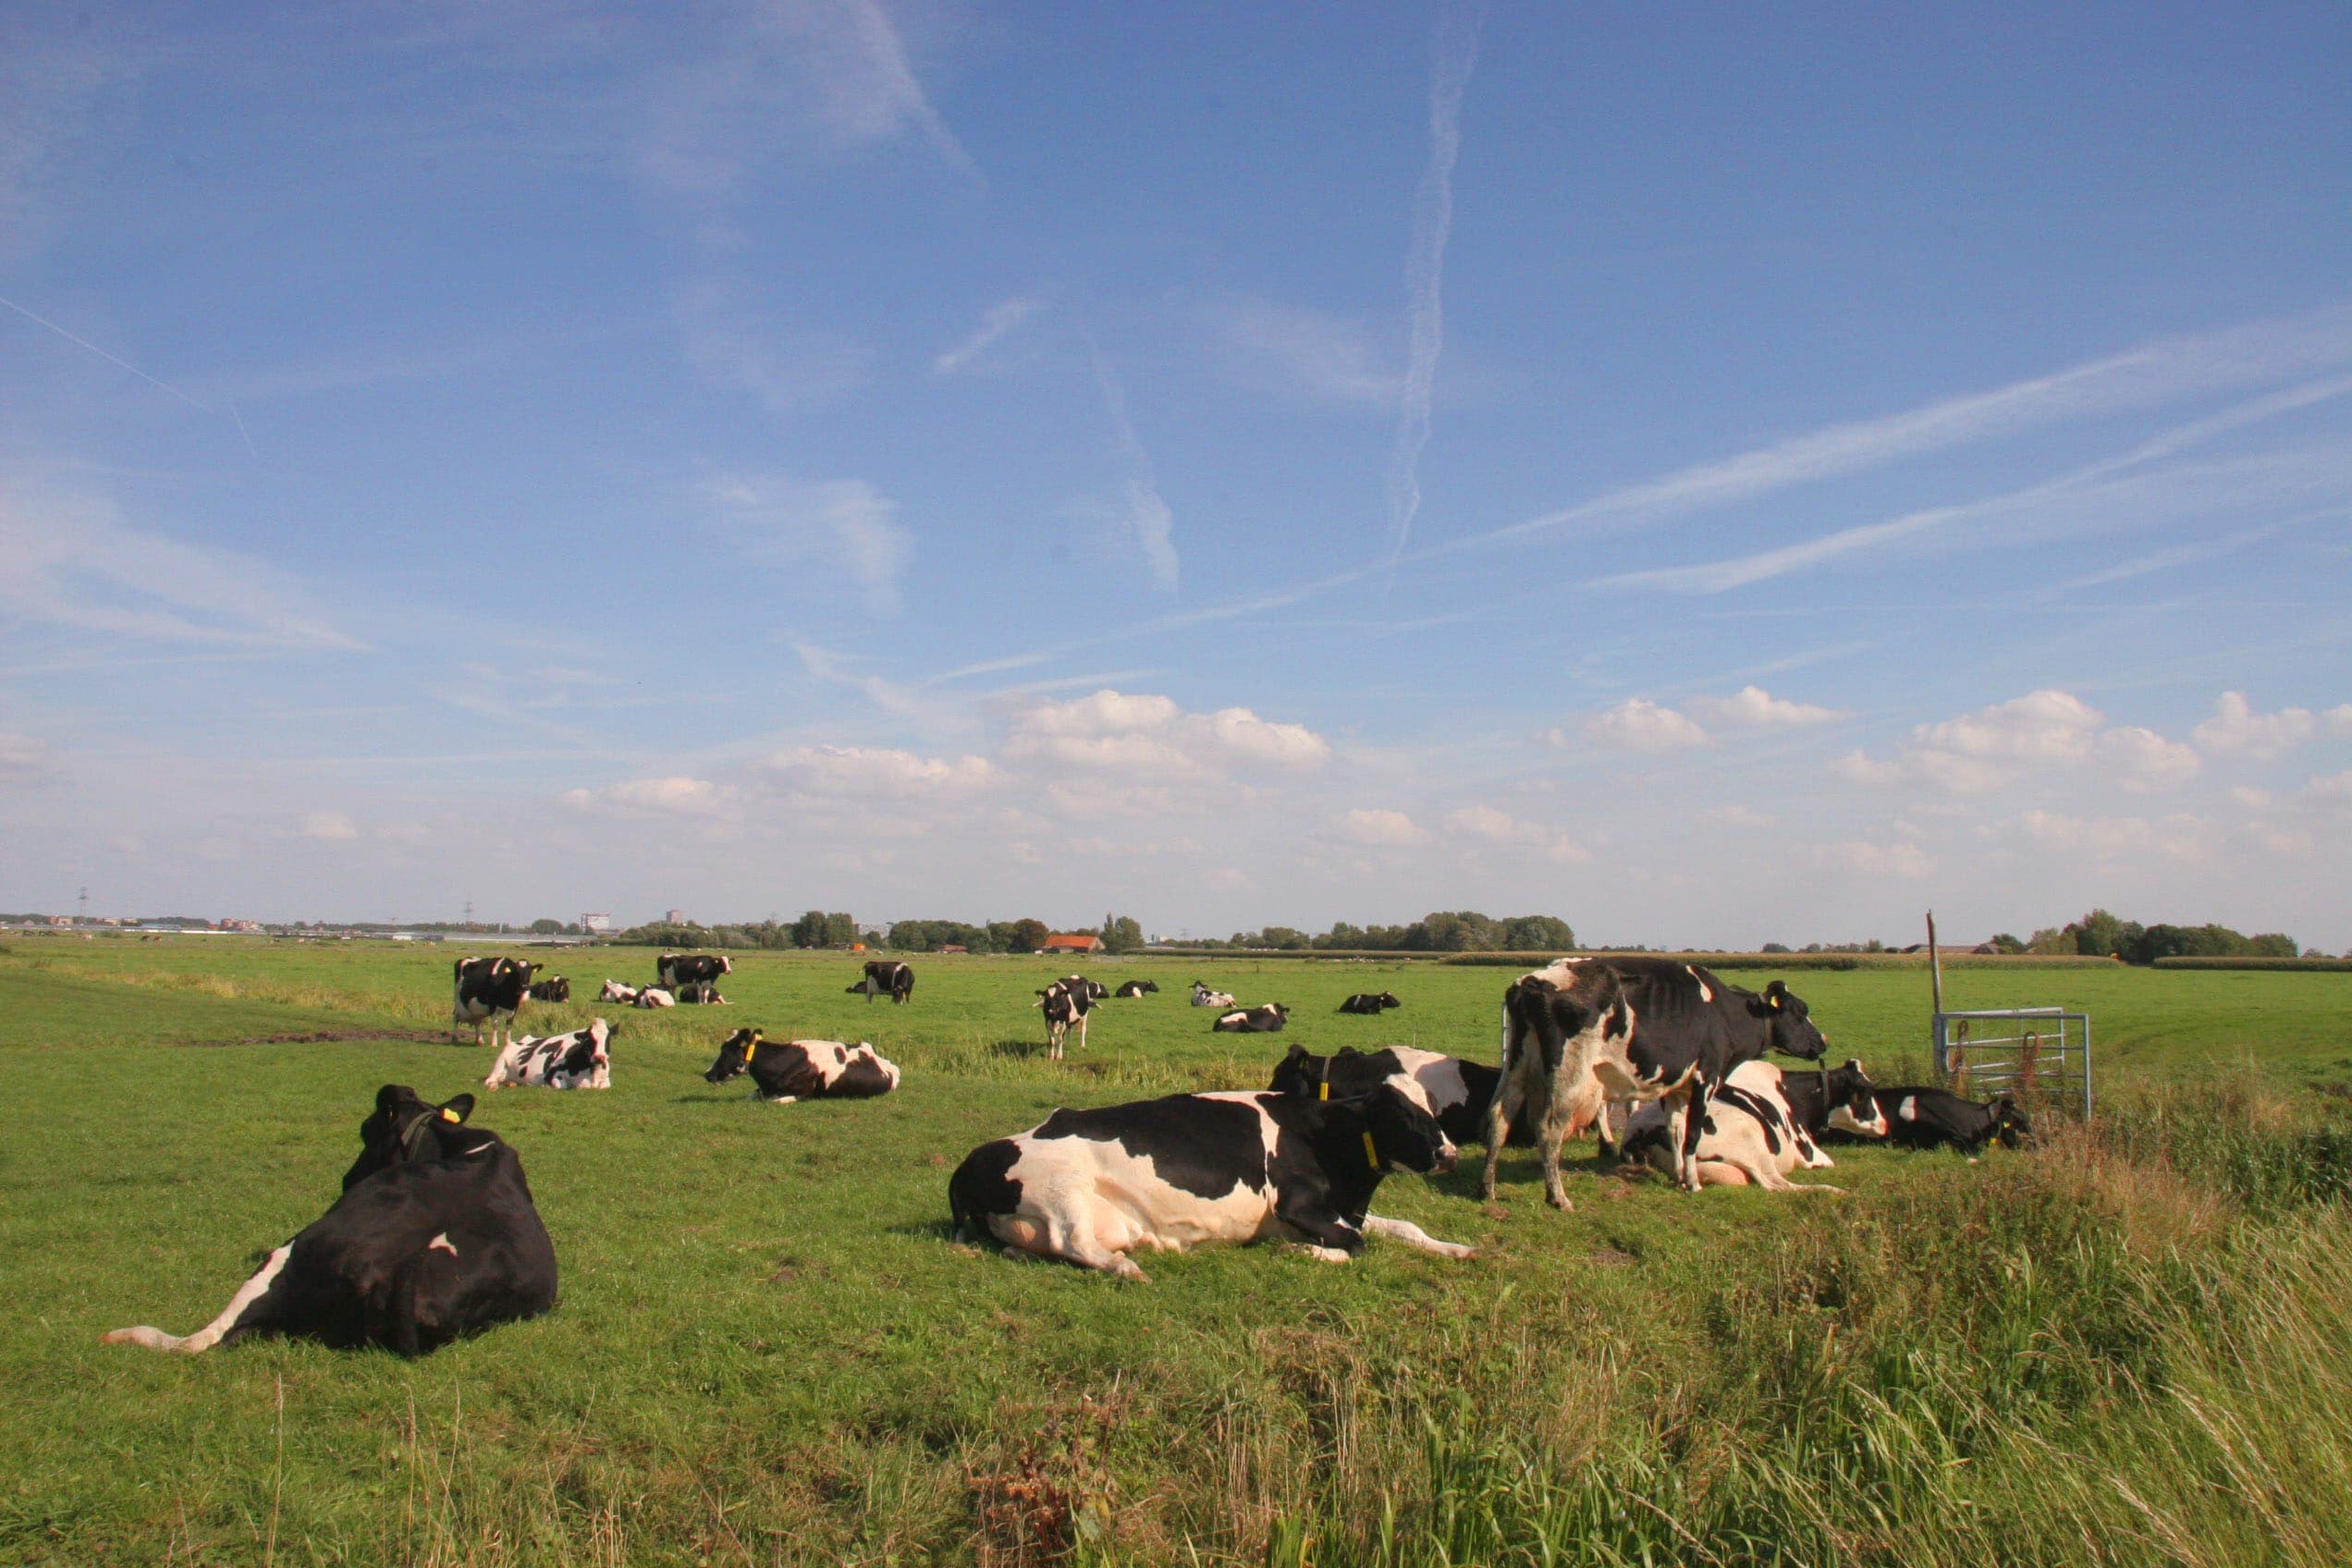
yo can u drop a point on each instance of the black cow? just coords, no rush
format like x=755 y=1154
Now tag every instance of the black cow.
x=1833 y=1099
x=1456 y=1092
x=1933 y=1119
x=1135 y=988
x=555 y=990
x=785 y=1071
x=1065 y=1002
x=488 y=989
x=1370 y=1002
x=1585 y=1031
x=886 y=979
x=434 y=1238
x=673 y=970
x=1266 y=1020
x=1091 y=1186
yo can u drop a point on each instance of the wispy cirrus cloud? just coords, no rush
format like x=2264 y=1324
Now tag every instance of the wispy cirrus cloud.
x=845 y=524
x=1137 y=517
x=998 y=321
x=1455 y=56
x=1311 y=354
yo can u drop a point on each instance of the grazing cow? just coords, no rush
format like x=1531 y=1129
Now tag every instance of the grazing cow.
x=1092 y=1186
x=885 y=978
x=555 y=990
x=1454 y=1091
x=1266 y=1020
x=1934 y=1119
x=1748 y=1136
x=489 y=990
x=1370 y=1002
x=1203 y=996
x=700 y=993
x=785 y=1071
x=577 y=1060
x=1135 y=988
x=1064 y=1004
x=614 y=991
x=1585 y=1031
x=673 y=970
x=434 y=1238
x=653 y=995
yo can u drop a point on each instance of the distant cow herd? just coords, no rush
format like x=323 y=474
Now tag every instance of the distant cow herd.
x=435 y=1234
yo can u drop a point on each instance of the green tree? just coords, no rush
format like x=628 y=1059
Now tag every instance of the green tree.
x=1026 y=936
x=1122 y=934
x=548 y=927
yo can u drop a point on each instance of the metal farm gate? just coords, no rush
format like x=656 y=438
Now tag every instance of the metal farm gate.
x=2031 y=1052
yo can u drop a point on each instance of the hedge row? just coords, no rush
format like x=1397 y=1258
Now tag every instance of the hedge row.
x=1820 y=960
x=2252 y=963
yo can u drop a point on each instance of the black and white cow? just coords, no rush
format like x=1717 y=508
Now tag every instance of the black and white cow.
x=1132 y=989
x=434 y=1238
x=1096 y=990
x=700 y=993
x=1583 y=1032
x=673 y=970
x=886 y=979
x=786 y=1071
x=1456 y=1092
x=1832 y=1100
x=1064 y=1003
x=614 y=991
x=1935 y=1118
x=653 y=995
x=1264 y=1020
x=1372 y=1003
x=1092 y=1186
x=578 y=1061
x=488 y=990
x=1203 y=996
x=1748 y=1136
x=555 y=990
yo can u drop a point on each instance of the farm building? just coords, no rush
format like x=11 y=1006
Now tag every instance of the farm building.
x=1079 y=942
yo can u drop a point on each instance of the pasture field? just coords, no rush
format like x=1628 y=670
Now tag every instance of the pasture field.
x=2132 y=1345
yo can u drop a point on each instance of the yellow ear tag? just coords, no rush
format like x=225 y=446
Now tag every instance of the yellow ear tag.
x=1775 y=1001
x=1371 y=1153
x=447 y=1115
x=1323 y=1090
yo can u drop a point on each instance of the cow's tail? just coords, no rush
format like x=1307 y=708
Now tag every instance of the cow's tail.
x=211 y=1333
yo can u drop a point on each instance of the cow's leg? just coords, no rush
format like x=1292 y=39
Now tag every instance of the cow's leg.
x=1509 y=1098
x=1693 y=1127
x=1325 y=1235
x=1560 y=1108
x=1412 y=1235
x=1604 y=1141
x=1072 y=1240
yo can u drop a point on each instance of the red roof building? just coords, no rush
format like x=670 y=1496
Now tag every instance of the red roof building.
x=1077 y=942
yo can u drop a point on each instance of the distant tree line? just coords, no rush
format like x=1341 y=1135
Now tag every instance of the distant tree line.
x=2103 y=935
x=1448 y=931
x=820 y=928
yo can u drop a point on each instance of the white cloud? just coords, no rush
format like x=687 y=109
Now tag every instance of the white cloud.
x=998 y=321
x=72 y=562
x=2235 y=729
x=1380 y=829
x=2339 y=719
x=1737 y=816
x=1148 y=734
x=1752 y=706
x=1501 y=828
x=1138 y=517
x=1484 y=822
x=1310 y=352
x=787 y=367
x=332 y=826
x=861 y=771
x=1868 y=859
x=1639 y=725
x=843 y=524
x=2042 y=731
x=2181 y=837
x=2143 y=761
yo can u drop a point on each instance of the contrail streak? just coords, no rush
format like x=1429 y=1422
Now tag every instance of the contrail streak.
x=110 y=358
x=1457 y=53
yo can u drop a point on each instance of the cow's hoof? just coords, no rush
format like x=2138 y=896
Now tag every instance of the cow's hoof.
x=1558 y=1200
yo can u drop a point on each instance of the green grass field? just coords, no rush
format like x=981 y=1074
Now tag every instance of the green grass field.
x=2130 y=1346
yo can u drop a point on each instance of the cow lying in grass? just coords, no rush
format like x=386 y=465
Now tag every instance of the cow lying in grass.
x=1454 y=1091
x=1133 y=988
x=1937 y=1118
x=786 y=1071
x=1749 y=1134
x=1203 y=996
x=577 y=1060
x=1266 y=1020
x=1091 y=1186
x=1371 y=1003
x=434 y=1238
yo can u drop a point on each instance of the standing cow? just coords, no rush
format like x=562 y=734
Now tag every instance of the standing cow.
x=1585 y=1031
x=489 y=990
x=1064 y=1002
x=885 y=977
x=434 y=1238
x=673 y=970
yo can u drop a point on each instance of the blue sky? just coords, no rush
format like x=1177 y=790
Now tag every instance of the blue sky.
x=1715 y=477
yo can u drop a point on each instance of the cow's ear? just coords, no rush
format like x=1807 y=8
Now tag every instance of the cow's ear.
x=457 y=1109
x=1854 y=1064
x=1776 y=995
x=389 y=1096
x=1296 y=1051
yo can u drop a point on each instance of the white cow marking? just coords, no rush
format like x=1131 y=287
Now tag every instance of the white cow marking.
x=210 y=1334
x=441 y=1243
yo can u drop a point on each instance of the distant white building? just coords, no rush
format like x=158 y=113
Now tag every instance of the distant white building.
x=595 y=923
x=675 y=916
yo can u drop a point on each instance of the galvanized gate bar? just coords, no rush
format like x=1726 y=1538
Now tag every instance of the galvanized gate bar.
x=2024 y=1060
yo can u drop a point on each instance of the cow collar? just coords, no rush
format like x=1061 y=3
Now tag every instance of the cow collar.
x=412 y=1138
x=750 y=1048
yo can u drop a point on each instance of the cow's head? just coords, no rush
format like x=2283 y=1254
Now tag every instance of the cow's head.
x=2009 y=1123
x=735 y=1054
x=405 y=1126
x=1300 y=1073
x=1853 y=1101
x=1389 y=1000
x=1790 y=1023
x=1402 y=1133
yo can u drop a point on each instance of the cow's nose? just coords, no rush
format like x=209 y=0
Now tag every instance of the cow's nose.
x=1446 y=1157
